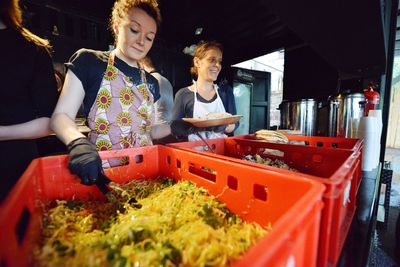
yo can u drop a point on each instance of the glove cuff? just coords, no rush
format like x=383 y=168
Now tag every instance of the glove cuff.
x=77 y=142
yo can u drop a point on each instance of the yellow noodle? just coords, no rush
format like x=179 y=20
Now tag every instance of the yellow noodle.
x=178 y=225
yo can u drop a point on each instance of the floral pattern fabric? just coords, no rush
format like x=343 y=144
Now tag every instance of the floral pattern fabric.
x=122 y=114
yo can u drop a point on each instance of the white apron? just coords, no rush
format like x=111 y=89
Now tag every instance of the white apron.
x=201 y=109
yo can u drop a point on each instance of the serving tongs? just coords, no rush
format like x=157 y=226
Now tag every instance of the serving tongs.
x=205 y=142
x=103 y=184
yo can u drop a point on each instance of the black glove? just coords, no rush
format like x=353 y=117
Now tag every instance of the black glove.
x=84 y=160
x=182 y=129
x=217 y=129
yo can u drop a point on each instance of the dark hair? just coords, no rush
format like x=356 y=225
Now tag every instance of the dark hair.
x=201 y=50
x=121 y=8
x=11 y=15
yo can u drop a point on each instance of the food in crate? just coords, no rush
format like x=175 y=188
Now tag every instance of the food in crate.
x=269 y=162
x=176 y=224
x=271 y=136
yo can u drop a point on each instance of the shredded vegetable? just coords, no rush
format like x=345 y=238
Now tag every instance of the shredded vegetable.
x=175 y=225
x=269 y=162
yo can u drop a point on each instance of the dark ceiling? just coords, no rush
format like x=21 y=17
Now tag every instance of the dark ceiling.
x=247 y=29
x=348 y=35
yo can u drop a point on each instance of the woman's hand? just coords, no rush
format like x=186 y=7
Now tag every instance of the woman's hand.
x=182 y=129
x=84 y=160
x=230 y=128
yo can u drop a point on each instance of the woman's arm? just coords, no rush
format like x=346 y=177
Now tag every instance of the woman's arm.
x=84 y=159
x=160 y=131
x=230 y=107
x=28 y=130
x=63 y=119
x=178 y=111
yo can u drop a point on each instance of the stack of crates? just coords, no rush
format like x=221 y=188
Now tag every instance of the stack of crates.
x=334 y=162
x=293 y=206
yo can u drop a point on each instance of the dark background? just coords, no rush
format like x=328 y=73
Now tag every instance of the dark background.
x=329 y=45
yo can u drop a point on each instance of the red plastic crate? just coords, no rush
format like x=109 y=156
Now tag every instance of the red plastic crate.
x=340 y=143
x=338 y=169
x=295 y=214
x=318 y=141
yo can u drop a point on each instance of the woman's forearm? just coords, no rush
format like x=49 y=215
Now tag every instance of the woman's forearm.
x=65 y=128
x=28 y=130
x=159 y=131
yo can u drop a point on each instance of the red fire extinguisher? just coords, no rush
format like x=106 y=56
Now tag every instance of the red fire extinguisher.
x=371 y=98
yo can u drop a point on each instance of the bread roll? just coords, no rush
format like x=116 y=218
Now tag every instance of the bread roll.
x=271 y=136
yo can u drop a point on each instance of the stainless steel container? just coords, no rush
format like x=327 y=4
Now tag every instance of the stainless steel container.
x=322 y=118
x=303 y=116
x=284 y=108
x=345 y=112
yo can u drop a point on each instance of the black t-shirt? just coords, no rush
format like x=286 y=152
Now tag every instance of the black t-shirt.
x=28 y=90
x=89 y=66
x=28 y=85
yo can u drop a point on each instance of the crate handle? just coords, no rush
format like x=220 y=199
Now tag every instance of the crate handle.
x=120 y=153
x=203 y=172
x=130 y=154
x=22 y=225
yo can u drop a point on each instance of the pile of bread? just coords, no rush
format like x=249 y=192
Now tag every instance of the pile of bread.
x=271 y=136
x=217 y=115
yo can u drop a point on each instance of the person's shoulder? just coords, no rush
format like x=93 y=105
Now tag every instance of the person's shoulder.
x=184 y=92
x=150 y=78
x=14 y=38
x=28 y=46
x=41 y=52
x=90 y=55
x=225 y=90
x=224 y=87
x=164 y=80
x=156 y=75
x=88 y=61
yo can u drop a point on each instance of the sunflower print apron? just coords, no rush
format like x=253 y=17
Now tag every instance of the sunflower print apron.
x=122 y=114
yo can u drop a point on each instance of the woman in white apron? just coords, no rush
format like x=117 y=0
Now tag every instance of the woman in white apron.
x=204 y=96
x=201 y=109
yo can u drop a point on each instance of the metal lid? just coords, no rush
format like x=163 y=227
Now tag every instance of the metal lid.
x=355 y=95
x=306 y=100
